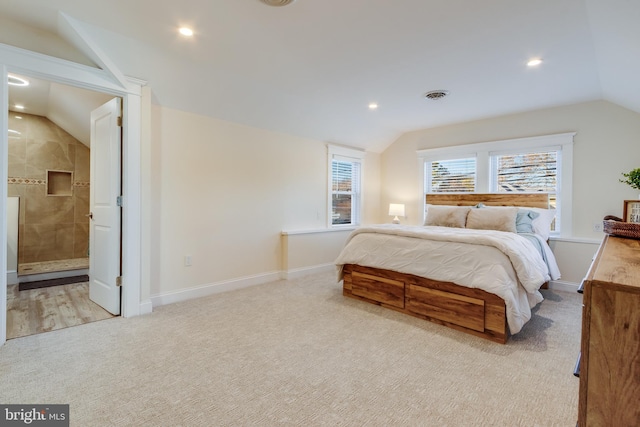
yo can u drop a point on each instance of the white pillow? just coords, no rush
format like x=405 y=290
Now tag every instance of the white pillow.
x=447 y=216
x=542 y=224
x=502 y=219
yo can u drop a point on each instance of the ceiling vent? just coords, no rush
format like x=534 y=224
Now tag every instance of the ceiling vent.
x=436 y=94
x=277 y=2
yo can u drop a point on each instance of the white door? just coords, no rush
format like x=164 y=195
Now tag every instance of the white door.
x=105 y=216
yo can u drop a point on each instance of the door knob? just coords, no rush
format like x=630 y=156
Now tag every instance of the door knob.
x=90 y=215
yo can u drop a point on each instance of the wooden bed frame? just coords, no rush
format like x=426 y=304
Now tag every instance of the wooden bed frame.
x=473 y=311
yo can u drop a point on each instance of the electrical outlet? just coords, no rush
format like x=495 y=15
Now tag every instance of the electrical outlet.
x=597 y=226
x=187 y=260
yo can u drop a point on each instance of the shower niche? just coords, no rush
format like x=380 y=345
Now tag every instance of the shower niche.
x=59 y=183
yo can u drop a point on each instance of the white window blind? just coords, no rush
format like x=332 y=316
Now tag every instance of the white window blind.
x=345 y=191
x=344 y=187
x=451 y=176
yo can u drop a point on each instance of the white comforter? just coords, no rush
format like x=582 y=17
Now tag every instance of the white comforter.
x=501 y=263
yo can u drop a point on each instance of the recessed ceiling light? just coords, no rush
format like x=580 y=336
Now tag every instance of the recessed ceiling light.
x=17 y=81
x=18 y=117
x=186 y=31
x=19 y=107
x=534 y=62
x=373 y=106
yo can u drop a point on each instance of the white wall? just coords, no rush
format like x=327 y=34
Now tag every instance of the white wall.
x=606 y=144
x=312 y=251
x=223 y=193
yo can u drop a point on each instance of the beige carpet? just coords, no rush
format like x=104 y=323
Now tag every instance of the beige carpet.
x=298 y=353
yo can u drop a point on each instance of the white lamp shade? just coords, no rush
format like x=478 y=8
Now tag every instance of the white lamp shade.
x=396 y=209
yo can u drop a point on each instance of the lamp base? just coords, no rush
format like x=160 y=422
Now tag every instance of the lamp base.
x=396 y=220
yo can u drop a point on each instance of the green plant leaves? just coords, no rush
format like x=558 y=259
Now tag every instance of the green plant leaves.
x=632 y=178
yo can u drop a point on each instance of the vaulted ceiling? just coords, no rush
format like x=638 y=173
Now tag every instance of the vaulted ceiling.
x=312 y=68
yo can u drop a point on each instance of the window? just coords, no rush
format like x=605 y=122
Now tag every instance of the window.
x=451 y=176
x=528 y=172
x=345 y=186
x=537 y=164
x=345 y=192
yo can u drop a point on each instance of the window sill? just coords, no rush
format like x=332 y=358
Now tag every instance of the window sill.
x=574 y=240
x=319 y=230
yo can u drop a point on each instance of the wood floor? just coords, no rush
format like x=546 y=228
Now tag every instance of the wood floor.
x=47 y=309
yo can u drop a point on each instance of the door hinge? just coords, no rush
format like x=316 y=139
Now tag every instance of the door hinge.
x=120 y=121
x=119 y=281
x=119 y=201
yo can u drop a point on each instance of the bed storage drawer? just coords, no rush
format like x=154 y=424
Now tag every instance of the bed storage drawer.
x=380 y=289
x=473 y=311
x=446 y=306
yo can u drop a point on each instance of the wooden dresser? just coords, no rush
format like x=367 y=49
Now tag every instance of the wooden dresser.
x=610 y=348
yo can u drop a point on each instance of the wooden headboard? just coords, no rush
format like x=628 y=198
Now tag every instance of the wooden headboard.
x=533 y=200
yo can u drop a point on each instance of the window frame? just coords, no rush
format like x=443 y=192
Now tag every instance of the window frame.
x=339 y=153
x=486 y=181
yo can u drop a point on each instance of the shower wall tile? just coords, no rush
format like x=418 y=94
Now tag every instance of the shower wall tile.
x=43 y=209
x=81 y=240
x=41 y=129
x=66 y=137
x=48 y=242
x=64 y=241
x=50 y=227
x=82 y=162
x=37 y=239
x=17 y=157
x=48 y=155
x=19 y=125
x=81 y=208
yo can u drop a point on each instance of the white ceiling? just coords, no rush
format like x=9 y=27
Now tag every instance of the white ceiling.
x=66 y=106
x=311 y=68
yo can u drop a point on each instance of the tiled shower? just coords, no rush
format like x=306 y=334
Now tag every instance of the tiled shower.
x=49 y=172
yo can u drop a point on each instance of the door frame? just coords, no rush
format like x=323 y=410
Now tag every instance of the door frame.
x=22 y=61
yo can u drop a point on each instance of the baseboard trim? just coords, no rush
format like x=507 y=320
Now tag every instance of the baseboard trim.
x=305 y=271
x=146 y=307
x=260 y=279
x=12 y=277
x=561 y=285
x=213 y=288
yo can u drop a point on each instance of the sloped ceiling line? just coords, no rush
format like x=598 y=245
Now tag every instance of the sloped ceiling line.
x=73 y=32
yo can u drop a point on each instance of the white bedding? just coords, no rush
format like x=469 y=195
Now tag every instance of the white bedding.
x=501 y=263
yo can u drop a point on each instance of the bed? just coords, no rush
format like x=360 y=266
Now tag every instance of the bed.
x=480 y=281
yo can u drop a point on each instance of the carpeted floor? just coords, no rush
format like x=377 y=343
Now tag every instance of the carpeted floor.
x=298 y=353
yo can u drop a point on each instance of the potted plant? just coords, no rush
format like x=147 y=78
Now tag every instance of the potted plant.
x=632 y=178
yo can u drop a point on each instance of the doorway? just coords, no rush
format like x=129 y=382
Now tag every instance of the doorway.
x=49 y=178
x=135 y=102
